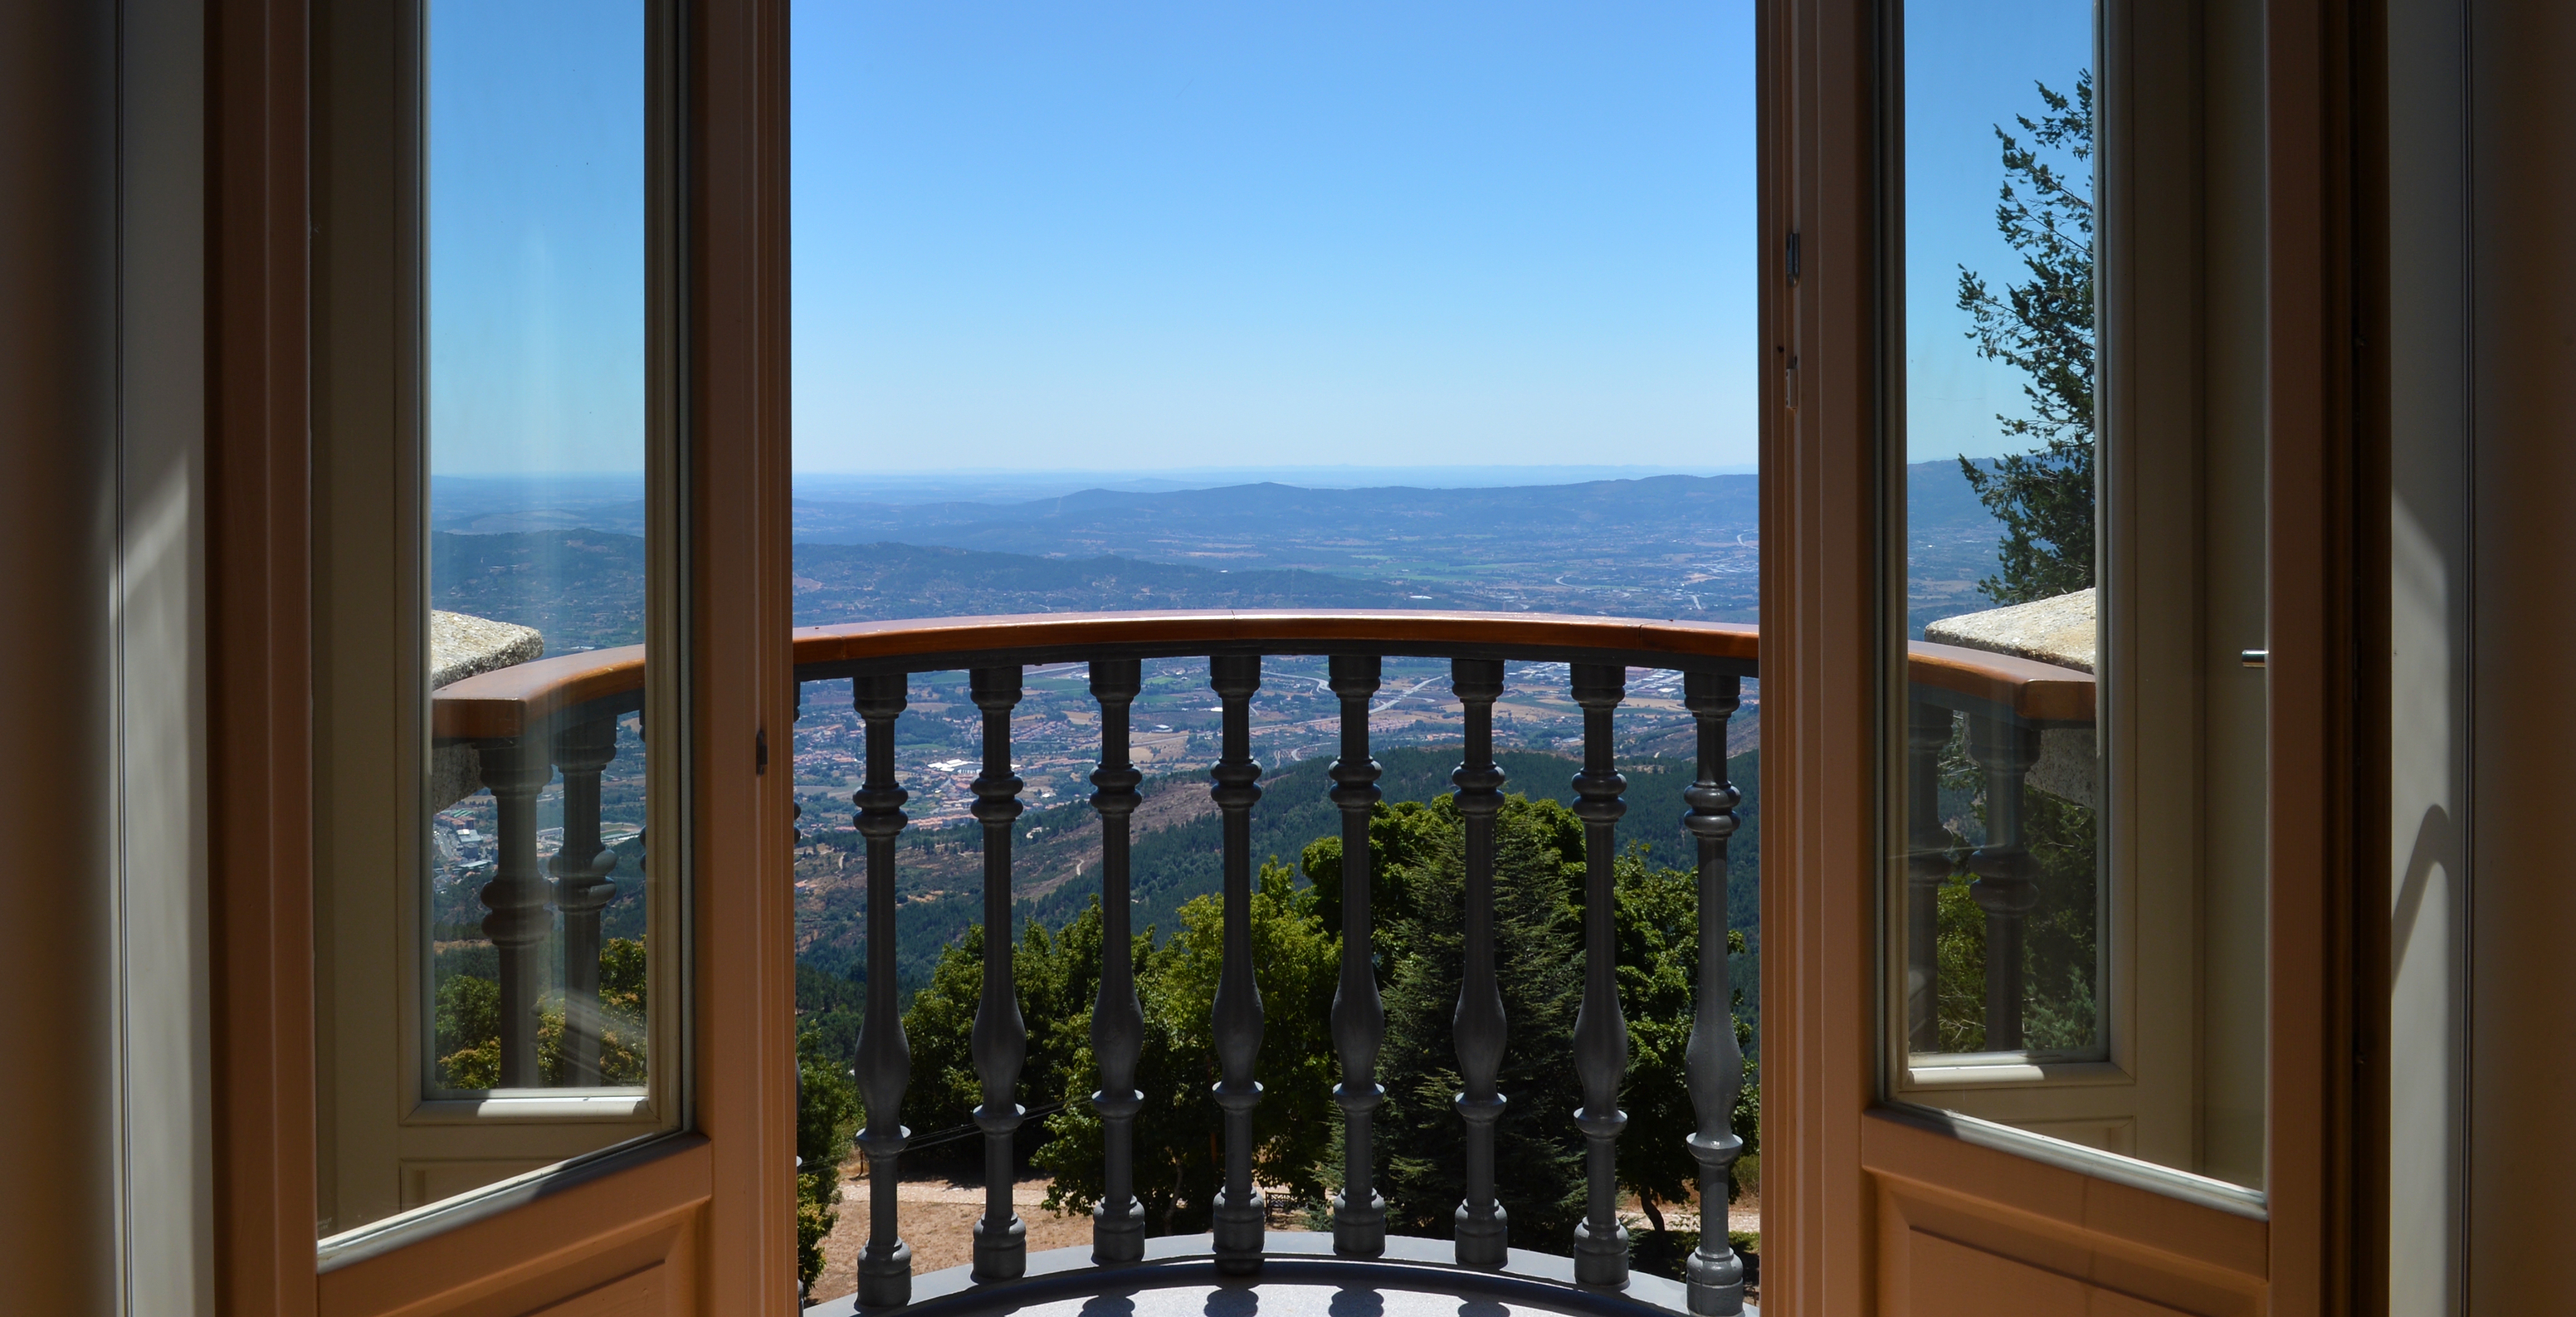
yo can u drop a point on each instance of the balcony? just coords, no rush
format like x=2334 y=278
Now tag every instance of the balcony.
x=524 y=723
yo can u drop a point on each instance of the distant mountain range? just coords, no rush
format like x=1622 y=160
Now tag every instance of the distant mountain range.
x=862 y=582
x=585 y=588
x=1660 y=546
x=1263 y=522
x=845 y=509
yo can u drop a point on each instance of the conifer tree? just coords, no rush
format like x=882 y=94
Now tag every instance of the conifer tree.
x=1538 y=944
x=2042 y=325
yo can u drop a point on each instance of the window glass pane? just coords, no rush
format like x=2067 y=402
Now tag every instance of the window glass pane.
x=536 y=456
x=2055 y=972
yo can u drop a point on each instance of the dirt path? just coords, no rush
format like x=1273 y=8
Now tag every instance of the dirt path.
x=939 y=1223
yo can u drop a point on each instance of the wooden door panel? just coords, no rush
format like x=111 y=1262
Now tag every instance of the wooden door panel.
x=1948 y=1279
x=637 y=1294
x=604 y=1245
x=1955 y=1219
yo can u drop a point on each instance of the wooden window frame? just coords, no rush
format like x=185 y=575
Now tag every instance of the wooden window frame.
x=699 y=1222
x=1849 y=1180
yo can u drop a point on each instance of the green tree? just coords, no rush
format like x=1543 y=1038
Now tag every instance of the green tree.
x=466 y=1024
x=1538 y=947
x=2059 y=956
x=2042 y=325
x=2059 y=945
x=1418 y=863
x=1658 y=975
x=832 y=1006
x=1053 y=978
x=1180 y=1132
x=827 y=1117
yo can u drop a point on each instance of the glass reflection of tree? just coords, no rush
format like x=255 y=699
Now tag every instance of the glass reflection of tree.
x=2042 y=325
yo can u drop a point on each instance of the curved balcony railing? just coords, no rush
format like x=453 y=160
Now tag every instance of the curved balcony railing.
x=560 y=713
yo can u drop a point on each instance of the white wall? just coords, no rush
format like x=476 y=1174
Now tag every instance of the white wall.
x=2482 y=359
x=2429 y=592
x=105 y=1154
x=160 y=602
x=58 y=787
x=2520 y=1197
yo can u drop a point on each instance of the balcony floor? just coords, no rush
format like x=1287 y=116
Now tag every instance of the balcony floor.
x=1301 y=1278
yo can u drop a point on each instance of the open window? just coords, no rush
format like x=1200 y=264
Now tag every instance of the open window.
x=2081 y=903
x=496 y=990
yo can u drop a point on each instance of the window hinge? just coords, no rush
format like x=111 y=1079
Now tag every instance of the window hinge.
x=760 y=753
x=1793 y=259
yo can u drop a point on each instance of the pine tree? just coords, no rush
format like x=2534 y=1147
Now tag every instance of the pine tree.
x=2043 y=326
x=1538 y=944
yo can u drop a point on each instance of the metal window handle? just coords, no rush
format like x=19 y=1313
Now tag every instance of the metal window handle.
x=2253 y=658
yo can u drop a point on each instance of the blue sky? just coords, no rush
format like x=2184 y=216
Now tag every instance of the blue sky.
x=1969 y=66
x=536 y=236
x=1178 y=234
x=1152 y=236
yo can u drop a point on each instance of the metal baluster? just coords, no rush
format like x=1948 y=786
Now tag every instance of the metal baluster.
x=795 y=807
x=885 y=1056
x=582 y=889
x=1713 y=1063
x=516 y=771
x=2007 y=884
x=1483 y=1228
x=1359 y=1018
x=644 y=832
x=1001 y=1038
x=1117 y=1019
x=1600 y=1031
x=1236 y=1017
x=795 y=839
x=1927 y=862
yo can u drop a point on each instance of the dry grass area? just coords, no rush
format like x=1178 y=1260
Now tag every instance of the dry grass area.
x=938 y=1220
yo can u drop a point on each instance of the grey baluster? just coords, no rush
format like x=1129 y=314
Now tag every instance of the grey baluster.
x=1001 y=1038
x=518 y=923
x=1927 y=862
x=643 y=833
x=1600 y=1031
x=1483 y=1228
x=885 y=1055
x=1713 y=1063
x=1117 y=1019
x=2007 y=885
x=795 y=807
x=1359 y=1018
x=582 y=889
x=1236 y=1018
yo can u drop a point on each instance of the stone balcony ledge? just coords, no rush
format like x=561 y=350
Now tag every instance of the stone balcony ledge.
x=461 y=645
x=2059 y=631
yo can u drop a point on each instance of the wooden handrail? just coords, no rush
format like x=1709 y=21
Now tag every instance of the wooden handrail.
x=505 y=702
x=502 y=704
